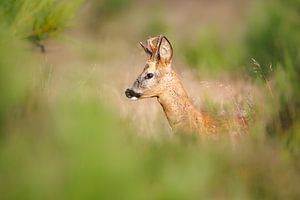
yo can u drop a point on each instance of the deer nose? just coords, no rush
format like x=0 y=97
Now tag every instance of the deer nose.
x=132 y=94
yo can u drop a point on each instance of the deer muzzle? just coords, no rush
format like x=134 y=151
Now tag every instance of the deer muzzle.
x=131 y=94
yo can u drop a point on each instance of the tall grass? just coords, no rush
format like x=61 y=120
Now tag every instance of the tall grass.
x=77 y=148
x=272 y=38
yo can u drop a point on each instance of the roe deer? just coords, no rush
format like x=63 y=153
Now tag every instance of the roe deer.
x=159 y=80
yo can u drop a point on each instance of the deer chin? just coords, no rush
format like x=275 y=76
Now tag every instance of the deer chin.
x=134 y=98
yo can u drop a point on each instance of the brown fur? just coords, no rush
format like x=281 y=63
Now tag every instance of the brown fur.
x=167 y=87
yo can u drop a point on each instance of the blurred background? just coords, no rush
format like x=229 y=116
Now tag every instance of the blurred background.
x=67 y=131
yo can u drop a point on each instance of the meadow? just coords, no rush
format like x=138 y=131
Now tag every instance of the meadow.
x=67 y=130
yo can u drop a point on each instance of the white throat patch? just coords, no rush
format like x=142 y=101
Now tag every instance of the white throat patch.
x=133 y=98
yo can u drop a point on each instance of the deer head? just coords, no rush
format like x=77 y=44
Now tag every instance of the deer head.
x=152 y=81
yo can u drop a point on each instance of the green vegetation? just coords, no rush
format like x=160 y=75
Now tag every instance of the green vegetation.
x=36 y=20
x=209 y=51
x=68 y=144
x=105 y=10
x=273 y=40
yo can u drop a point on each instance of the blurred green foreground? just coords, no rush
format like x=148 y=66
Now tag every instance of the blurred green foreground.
x=77 y=148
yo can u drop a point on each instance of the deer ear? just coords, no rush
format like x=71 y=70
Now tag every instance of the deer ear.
x=165 y=50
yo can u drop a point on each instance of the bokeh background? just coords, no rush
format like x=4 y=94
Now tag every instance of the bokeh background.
x=67 y=130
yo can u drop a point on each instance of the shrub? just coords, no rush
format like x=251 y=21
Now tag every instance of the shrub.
x=37 y=20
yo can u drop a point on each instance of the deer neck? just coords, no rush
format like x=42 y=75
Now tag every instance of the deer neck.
x=176 y=104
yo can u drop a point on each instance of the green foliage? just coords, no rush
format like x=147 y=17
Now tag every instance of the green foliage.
x=14 y=74
x=87 y=153
x=272 y=39
x=37 y=20
x=210 y=53
x=105 y=9
x=76 y=148
x=155 y=24
x=274 y=32
x=112 y=7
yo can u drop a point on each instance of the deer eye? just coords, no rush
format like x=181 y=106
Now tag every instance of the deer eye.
x=149 y=75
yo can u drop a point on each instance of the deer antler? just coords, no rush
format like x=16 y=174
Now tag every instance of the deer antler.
x=158 y=44
x=150 y=48
x=146 y=49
